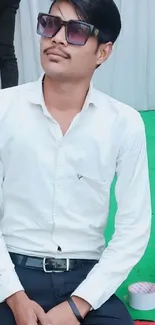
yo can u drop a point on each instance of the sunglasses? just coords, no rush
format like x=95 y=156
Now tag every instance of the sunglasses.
x=77 y=32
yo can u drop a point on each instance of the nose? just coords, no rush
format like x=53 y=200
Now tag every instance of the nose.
x=60 y=37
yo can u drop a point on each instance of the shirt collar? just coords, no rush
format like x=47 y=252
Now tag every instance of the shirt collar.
x=36 y=94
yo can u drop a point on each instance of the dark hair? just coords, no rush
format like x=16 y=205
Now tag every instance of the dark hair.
x=103 y=14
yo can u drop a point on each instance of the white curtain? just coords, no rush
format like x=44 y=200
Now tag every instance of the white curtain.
x=129 y=75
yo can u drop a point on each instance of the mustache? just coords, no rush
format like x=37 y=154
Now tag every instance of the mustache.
x=52 y=48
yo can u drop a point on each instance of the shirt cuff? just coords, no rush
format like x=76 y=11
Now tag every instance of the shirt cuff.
x=79 y=292
x=94 y=292
x=9 y=284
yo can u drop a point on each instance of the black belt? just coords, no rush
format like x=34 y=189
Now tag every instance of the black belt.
x=49 y=264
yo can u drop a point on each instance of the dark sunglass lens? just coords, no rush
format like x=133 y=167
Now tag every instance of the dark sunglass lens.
x=77 y=33
x=48 y=25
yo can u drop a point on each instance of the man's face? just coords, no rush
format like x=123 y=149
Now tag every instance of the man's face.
x=77 y=62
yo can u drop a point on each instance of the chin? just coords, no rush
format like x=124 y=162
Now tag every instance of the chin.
x=55 y=74
x=53 y=68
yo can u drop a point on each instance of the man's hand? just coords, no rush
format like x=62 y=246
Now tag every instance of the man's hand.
x=26 y=311
x=63 y=314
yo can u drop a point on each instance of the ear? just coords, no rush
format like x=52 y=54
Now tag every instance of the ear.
x=104 y=52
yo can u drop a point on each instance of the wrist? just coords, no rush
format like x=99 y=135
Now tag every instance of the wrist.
x=83 y=306
x=16 y=297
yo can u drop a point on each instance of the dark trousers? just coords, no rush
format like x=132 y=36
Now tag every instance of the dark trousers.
x=8 y=61
x=49 y=290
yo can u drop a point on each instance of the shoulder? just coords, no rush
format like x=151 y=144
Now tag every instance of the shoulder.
x=126 y=117
x=9 y=98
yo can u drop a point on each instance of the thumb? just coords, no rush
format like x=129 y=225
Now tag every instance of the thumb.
x=41 y=315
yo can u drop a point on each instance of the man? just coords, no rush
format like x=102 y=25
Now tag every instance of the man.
x=61 y=143
x=8 y=61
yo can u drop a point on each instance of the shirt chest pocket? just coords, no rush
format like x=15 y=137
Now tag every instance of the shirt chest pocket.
x=88 y=194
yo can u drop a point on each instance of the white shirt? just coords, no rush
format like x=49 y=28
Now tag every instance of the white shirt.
x=55 y=189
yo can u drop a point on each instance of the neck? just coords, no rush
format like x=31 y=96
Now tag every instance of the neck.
x=65 y=96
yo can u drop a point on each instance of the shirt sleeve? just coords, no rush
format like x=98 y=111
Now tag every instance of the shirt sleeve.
x=132 y=220
x=9 y=281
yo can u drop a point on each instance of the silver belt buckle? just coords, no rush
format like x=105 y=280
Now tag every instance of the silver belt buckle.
x=68 y=264
x=44 y=266
x=51 y=271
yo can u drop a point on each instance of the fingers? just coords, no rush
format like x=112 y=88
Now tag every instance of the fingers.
x=47 y=323
x=41 y=315
x=32 y=322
